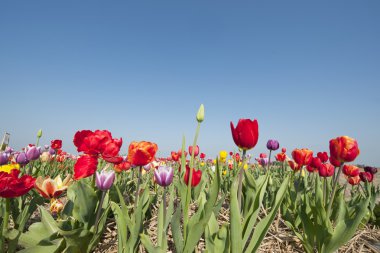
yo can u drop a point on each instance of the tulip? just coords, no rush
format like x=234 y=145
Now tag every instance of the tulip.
x=344 y=149
x=21 y=158
x=85 y=166
x=39 y=133
x=294 y=166
x=202 y=156
x=350 y=170
x=371 y=170
x=3 y=158
x=196 y=150
x=104 y=179
x=201 y=114
x=263 y=161
x=45 y=156
x=323 y=156
x=334 y=162
x=121 y=166
x=302 y=156
x=353 y=180
x=263 y=155
x=56 y=206
x=280 y=157
x=11 y=185
x=223 y=155
x=141 y=153
x=283 y=150
x=273 y=145
x=164 y=175
x=366 y=176
x=32 y=153
x=175 y=156
x=326 y=170
x=196 y=176
x=56 y=144
x=49 y=188
x=246 y=133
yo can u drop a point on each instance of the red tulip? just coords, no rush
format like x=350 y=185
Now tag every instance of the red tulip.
x=122 y=166
x=294 y=166
x=334 y=162
x=323 y=156
x=263 y=155
x=85 y=166
x=302 y=156
x=280 y=157
x=246 y=133
x=314 y=165
x=196 y=176
x=344 y=149
x=56 y=144
x=350 y=170
x=196 y=150
x=11 y=185
x=141 y=153
x=283 y=150
x=326 y=170
x=202 y=156
x=95 y=144
x=175 y=156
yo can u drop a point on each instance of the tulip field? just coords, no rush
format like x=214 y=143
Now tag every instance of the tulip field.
x=100 y=200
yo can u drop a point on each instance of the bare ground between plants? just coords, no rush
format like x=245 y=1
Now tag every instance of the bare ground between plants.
x=278 y=239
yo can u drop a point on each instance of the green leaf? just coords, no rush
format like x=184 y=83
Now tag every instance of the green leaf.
x=263 y=226
x=121 y=228
x=235 y=220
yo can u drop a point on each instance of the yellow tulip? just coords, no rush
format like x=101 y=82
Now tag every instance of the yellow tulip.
x=245 y=166
x=224 y=172
x=223 y=155
x=8 y=167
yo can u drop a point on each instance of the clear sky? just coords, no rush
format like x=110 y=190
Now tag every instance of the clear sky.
x=308 y=71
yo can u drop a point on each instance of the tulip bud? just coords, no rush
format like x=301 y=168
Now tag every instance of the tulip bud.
x=32 y=153
x=39 y=133
x=164 y=175
x=201 y=114
x=371 y=170
x=104 y=179
x=22 y=159
x=273 y=145
x=56 y=206
x=3 y=158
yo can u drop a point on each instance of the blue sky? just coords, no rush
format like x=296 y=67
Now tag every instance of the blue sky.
x=308 y=71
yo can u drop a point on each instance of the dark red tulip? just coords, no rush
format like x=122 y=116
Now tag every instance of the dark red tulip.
x=56 y=144
x=366 y=176
x=202 y=156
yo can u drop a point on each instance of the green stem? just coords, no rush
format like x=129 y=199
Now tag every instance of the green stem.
x=138 y=187
x=4 y=228
x=99 y=212
x=241 y=179
x=270 y=152
x=188 y=193
x=333 y=191
x=324 y=191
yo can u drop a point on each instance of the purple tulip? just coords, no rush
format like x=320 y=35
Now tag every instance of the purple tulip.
x=273 y=145
x=147 y=167
x=371 y=170
x=263 y=161
x=51 y=151
x=9 y=150
x=3 y=158
x=164 y=175
x=21 y=158
x=104 y=179
x=32 y=153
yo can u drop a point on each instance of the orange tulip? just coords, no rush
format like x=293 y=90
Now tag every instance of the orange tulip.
x=294 y=165
x=302 y=156
x=141 y=153
x=351 y=170
x=344 y=149
x=49 y=188
x=354 y=180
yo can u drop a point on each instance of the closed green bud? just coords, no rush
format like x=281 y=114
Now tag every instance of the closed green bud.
x=39 y=133
x=201 y=114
